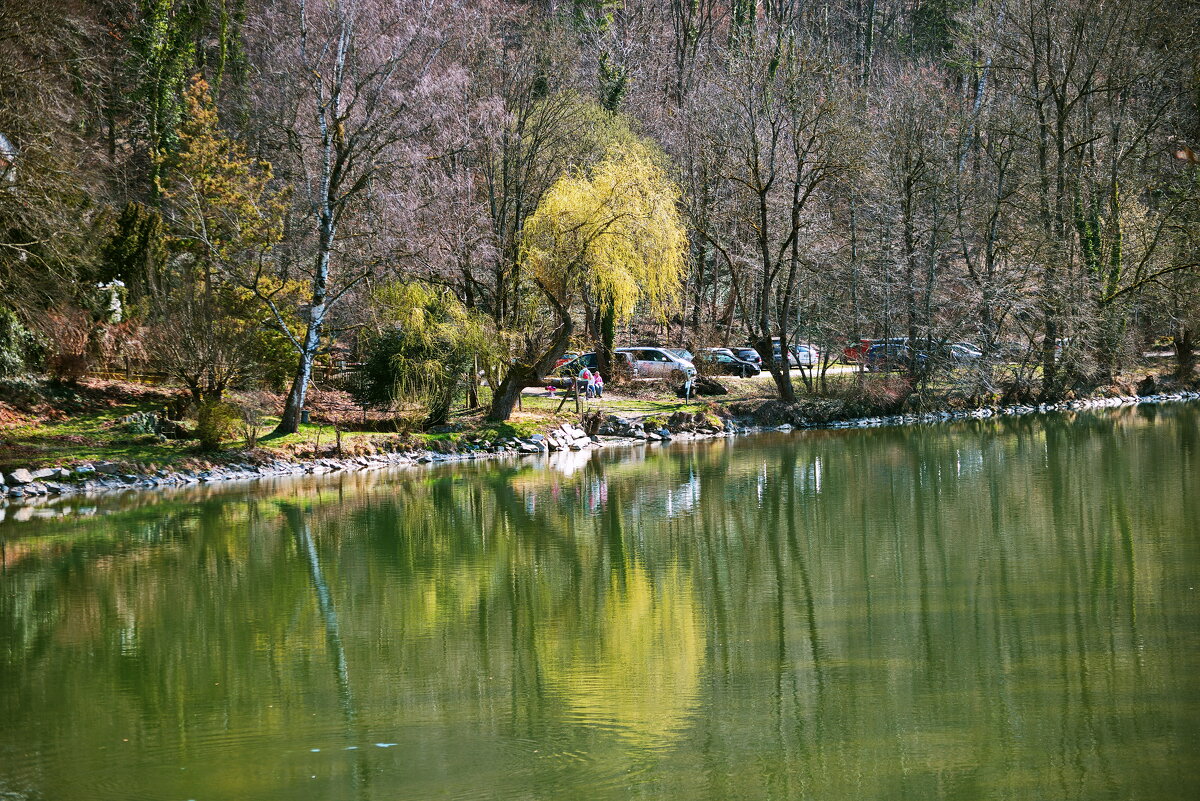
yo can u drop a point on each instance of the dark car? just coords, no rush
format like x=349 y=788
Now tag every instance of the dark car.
x=566 y=357
x=891 y=356
x=574 y=367
x=748 y=355
x=717 y=361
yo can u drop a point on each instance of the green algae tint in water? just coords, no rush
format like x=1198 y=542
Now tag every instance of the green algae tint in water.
x=1002 y=609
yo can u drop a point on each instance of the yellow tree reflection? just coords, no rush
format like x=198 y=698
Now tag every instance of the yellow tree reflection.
x=633 y=662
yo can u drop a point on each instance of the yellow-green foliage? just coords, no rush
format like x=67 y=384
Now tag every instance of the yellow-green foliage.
x=215 y=423
x=427 y=346
x=221 y=201
x=613 y=230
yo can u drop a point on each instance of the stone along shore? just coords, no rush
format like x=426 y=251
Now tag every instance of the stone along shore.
x=25 y=486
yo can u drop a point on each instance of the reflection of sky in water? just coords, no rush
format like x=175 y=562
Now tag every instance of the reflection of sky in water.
x=684 y=498
x=808 y=477
x=968 y=462
x=569 y=462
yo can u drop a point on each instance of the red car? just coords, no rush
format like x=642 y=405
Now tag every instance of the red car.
x=855 y=354
x=566 y=357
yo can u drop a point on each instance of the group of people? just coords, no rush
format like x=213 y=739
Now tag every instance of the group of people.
x=592 y=381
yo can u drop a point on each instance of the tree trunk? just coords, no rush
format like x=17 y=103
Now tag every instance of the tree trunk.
x=519 y=376
x=608 y=335
x=780 y=371
x=473 y=384
x=289 y=421
x=509 y=392
x=1049 y=355
x=1185 y=353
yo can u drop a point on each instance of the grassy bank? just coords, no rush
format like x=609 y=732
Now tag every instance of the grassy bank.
x=43 y=425
x=47 y=425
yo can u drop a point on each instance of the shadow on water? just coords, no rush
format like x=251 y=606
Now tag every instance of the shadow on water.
x=307 y=550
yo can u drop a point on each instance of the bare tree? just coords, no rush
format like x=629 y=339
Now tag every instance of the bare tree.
x=780 y=133
x=351 y=81
x=50 y=170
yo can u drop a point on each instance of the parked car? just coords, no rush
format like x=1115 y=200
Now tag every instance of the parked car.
x=854 y=354
x=719 y=361
x=799 y=355
x=963 y=352
x=682 y=353
x=890 y=356
x=566 y=357
x=659 y=363
x=805 y=356
x=747 y=355
x=572 y=367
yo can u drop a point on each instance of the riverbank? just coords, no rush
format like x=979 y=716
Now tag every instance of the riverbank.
x=25 y=487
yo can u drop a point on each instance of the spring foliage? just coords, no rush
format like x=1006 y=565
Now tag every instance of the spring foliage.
x=427 y=349
x=220 y=200
x=612 y=231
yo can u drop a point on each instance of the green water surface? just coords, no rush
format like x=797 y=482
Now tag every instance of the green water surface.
x=990 y=610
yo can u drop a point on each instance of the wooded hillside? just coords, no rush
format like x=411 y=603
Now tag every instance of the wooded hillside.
x=230 y=191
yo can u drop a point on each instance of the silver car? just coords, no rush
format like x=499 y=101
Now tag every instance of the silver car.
x=659 y=363
x=805 y=356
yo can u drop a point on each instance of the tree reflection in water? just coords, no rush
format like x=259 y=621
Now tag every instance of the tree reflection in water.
x=997 y=609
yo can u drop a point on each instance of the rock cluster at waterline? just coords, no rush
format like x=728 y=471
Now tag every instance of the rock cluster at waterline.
x=24 y=485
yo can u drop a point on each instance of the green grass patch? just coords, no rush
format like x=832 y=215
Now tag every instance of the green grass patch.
x=87 y=438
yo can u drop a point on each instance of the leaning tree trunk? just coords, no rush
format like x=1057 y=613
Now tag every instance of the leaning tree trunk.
x=509 y=392
x=519 y=376
x=289 y=421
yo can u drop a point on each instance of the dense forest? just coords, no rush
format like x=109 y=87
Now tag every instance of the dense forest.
x=234 y=192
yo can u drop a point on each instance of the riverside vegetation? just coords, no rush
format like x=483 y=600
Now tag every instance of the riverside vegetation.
x=425 y=204
x=152 y=461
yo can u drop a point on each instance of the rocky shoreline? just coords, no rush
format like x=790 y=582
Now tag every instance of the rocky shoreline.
x=29 y=487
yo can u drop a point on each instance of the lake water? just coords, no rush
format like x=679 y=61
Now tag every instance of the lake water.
x=1001 y=609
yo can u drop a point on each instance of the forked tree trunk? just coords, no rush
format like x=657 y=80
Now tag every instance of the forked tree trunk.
x=780 y=371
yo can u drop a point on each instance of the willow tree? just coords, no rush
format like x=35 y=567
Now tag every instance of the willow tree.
x=611 y=233
x=426 y=348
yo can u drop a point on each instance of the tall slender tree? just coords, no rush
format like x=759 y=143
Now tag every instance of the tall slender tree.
x=346 y=79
